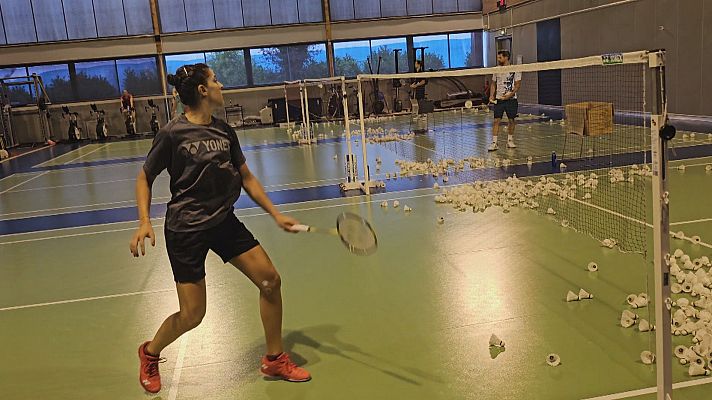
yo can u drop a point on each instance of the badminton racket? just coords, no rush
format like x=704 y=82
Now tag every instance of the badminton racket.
x=356 y=233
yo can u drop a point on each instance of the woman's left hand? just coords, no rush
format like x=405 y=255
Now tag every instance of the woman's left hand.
x=285 y=222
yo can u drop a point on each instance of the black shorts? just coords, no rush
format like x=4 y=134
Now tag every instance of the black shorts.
x=187 y=250
x=510 y=106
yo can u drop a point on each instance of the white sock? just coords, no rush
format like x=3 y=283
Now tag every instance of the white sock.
x=494 y=139
x=510 y=138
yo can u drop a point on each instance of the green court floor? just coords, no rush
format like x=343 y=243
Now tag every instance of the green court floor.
x=410 y=322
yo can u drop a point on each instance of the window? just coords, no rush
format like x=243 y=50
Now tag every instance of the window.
x=56 y=81
x=307 y=61
x=367 y=9
x=81 y=15
x=310 y=11
x=228 y=13
x=436 y=53
x=229 y=67
x=284 y=12
x=172 y=15
x=96 y=80
x=466 y=50
x=2 y=31
x=18 y=94
x=341 y=10
x=49 y=20
x=445 y=6
x=350 y=57
x=394 y=8
x=175 y=61
x=199 y=15
x=138 y=17
x=110 y=20
x=255 y=13
x=270 y=65
x=469 y=5
x=384 y=48
x=17 y=18
x=139 y=76
x=420 y=7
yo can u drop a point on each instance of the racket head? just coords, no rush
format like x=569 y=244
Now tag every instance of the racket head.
x=356 y=234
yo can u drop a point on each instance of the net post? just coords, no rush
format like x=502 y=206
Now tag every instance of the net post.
x=286 y=109
x=309 y=134
x=362 y=122
x=351 y=174
x=661 y=224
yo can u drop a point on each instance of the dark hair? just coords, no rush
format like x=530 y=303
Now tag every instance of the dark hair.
x=504 y=53
x=186 y=81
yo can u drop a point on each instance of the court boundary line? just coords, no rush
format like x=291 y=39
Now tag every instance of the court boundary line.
x=84 y=155
x=178 y=370
x=23 y=182
x=651 y=390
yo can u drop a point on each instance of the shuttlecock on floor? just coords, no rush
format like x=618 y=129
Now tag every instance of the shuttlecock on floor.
x=571 y=296
x=407 y=209
x=647 y=357
x=681 y=302
x=396 y=203
x=550 y=211
x=695 y=239
x=436 y=186
x=562 y=167
x=681 y=167
x=697 y=370
x=445 y=179
x=687 y=287
x=565 y=223
x=708 y=167
x=592 y=266
x=583 y=295
x=631 y=299
x=676 y=288
x=553 y=360
x=610 y=243
x=441 y=220
x=629 y=314
x=627 y=322
x=384 y=204
x=494 y=341
x=587 y=196
x=388 y=175
x=336 y=156
x=678 y=235
x=644 y=326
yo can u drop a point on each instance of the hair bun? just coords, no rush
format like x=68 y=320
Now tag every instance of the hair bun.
x=173 y=80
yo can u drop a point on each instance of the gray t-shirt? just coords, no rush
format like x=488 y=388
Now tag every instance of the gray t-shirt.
x=203 y=163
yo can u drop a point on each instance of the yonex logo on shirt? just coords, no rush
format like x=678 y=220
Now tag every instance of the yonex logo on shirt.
x=204 y=146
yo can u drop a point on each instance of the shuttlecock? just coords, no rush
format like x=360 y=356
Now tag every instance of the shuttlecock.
x=681 y=167
x=676 y=288
x=553 y=360
x=610 y=243
x=681 y=351
x=629 y=314
x=571 y=296
x=396 y=203
x=697 y=370
x=631 y=299
x=708 y=167
x=562 y=167
x=695 y=239
x=494 y=341
x=388 y=175
x=445 y=179
x=550 y=211
x=384 y=204
x=627 y=322
x=407 y=209
x=640 y=302
x=584 y=295
x=678 y=235
x=647 y=357
x=378 y=160
x=679 y=253
x=644 y=326
x=592 y=266
x=336 y=156
x=441 y=220
x=436 y=186
x=687 y=287
x=682 y=302
x=587 y=196
x=565 y=223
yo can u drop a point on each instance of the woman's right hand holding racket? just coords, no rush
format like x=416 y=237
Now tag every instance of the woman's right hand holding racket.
x=144 y=231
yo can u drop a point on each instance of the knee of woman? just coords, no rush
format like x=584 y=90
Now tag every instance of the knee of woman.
x=271 y=284
x=193 y=318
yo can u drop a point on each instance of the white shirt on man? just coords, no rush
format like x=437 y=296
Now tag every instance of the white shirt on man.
x=505 y=83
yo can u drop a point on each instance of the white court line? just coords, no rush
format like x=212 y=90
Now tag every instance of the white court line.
x=23 y=182
x=694 y=221
x=86 y=154
x=173 y=392
x=111 y=296
x=19 y=174
x=77 y=207
x=650 y=390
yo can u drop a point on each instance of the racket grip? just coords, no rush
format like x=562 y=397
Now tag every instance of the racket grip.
x=299 y=228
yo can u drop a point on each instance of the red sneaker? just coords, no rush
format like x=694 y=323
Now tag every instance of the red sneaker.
x=284 y=368
x=148 y=374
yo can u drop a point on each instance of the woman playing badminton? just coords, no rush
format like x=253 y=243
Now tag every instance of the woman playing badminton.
x=208 y=171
